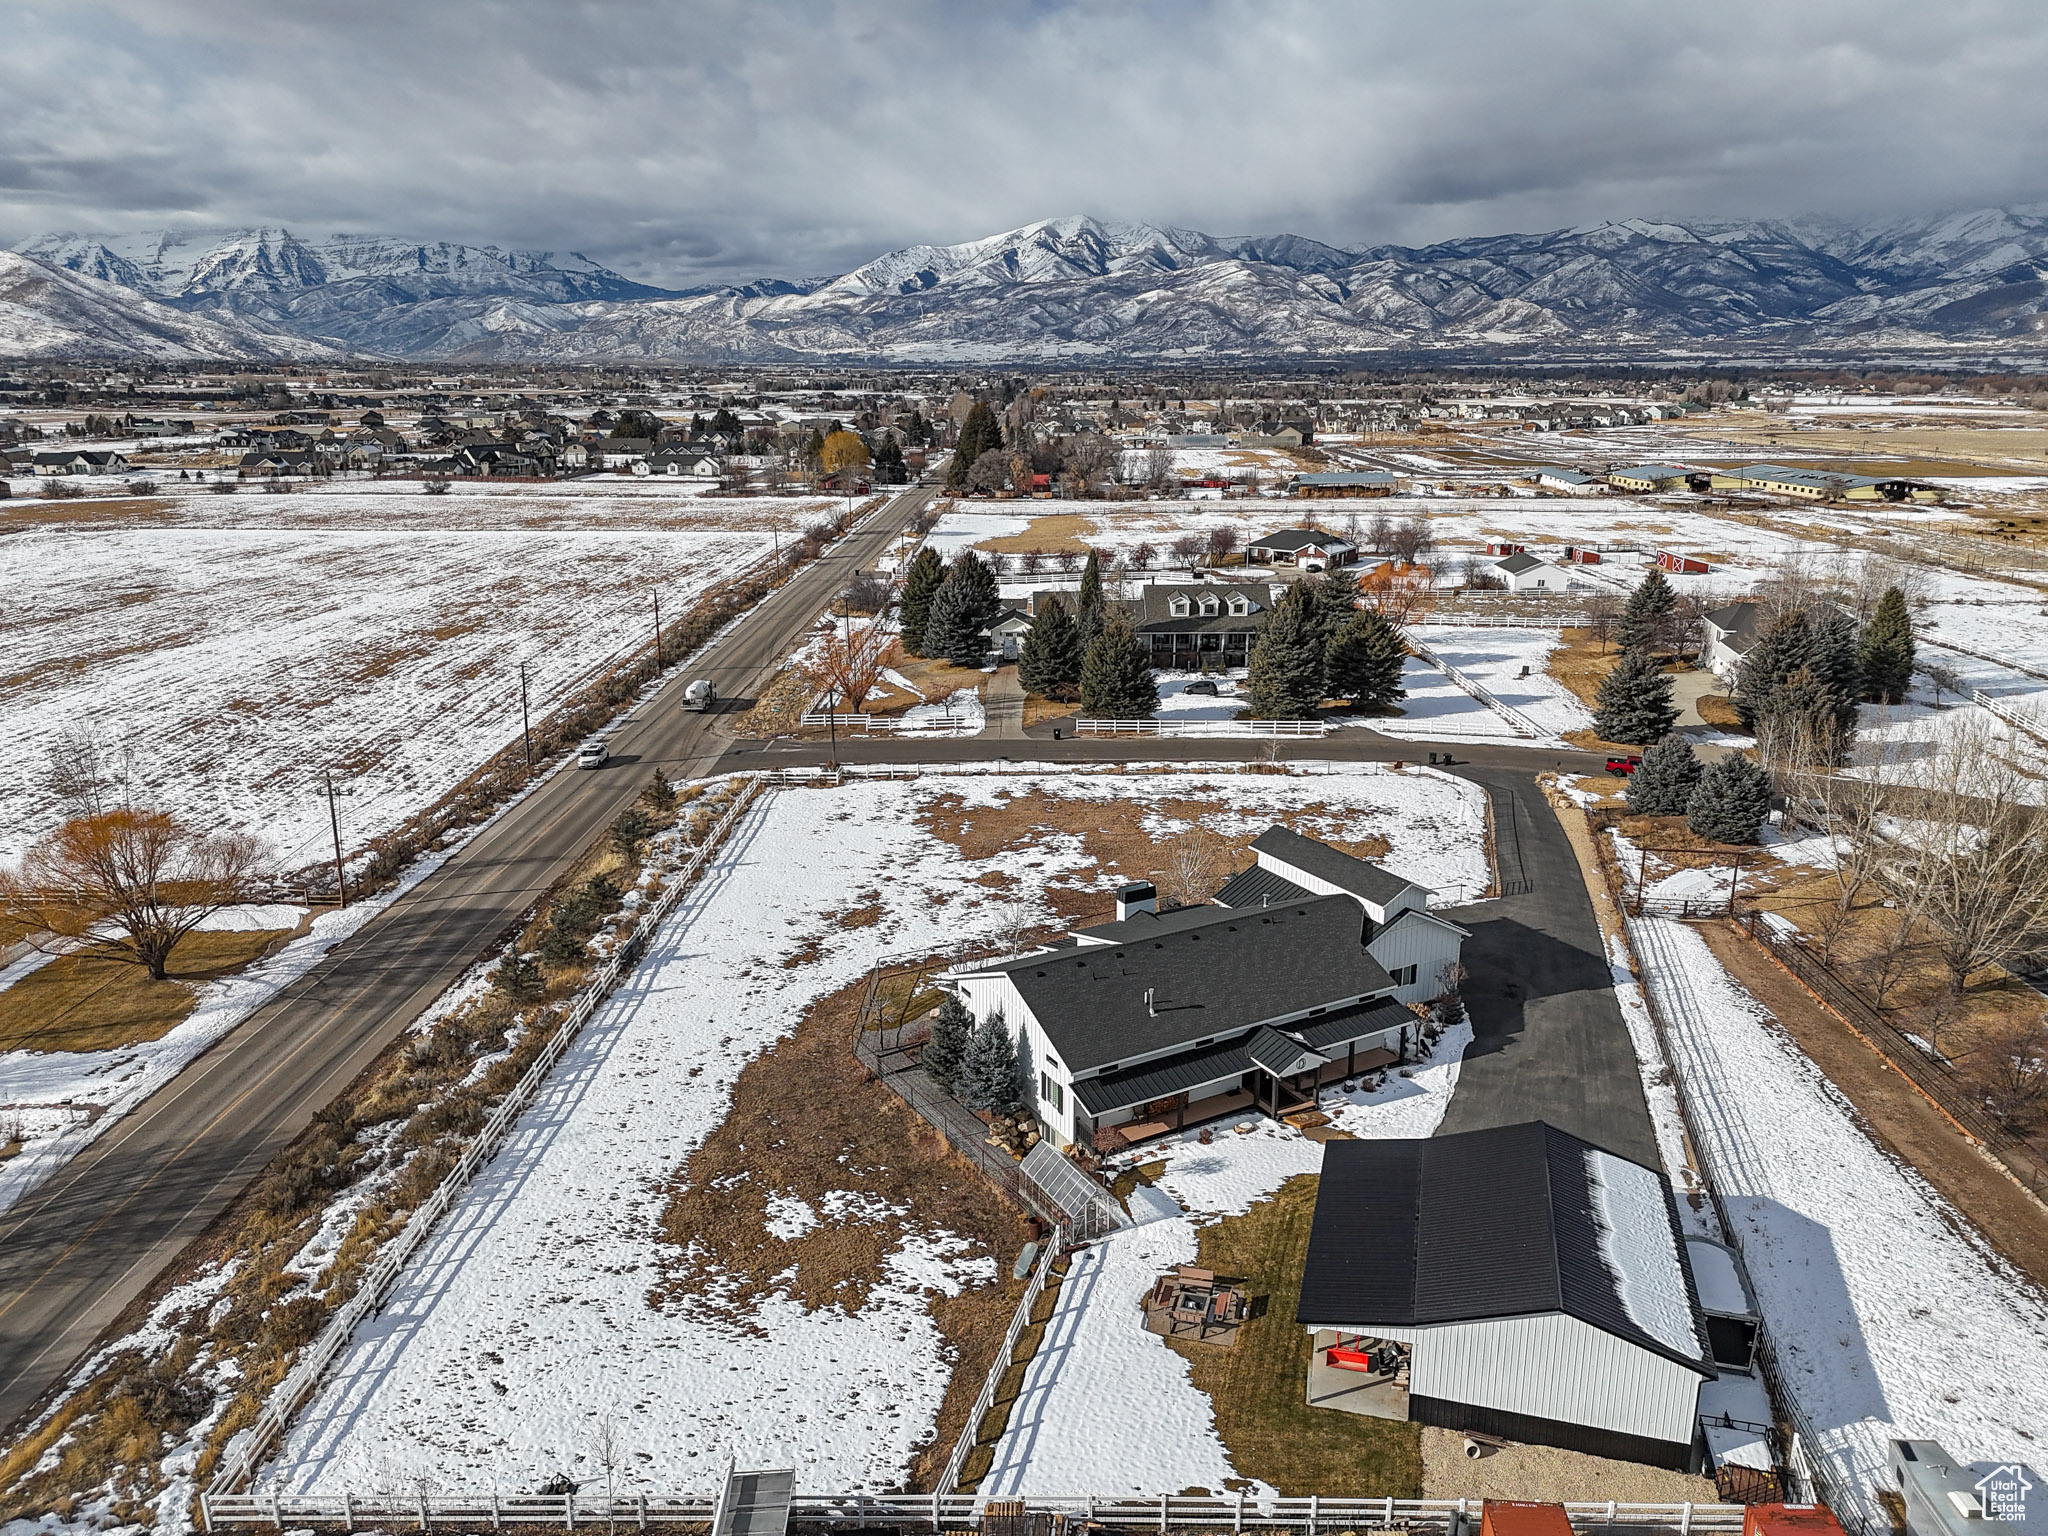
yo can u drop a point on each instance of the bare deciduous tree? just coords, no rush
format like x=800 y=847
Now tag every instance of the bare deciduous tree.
x=126 y=884
x=1197 y=863
x=1188 y=549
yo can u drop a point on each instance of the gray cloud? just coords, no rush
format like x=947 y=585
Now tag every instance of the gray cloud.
x=688 y=142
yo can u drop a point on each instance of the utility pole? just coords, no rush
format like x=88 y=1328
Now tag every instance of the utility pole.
x=657 y=629
x=334 y=821
x=525 y=719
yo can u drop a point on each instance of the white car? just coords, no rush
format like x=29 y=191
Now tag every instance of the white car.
x=593 y=754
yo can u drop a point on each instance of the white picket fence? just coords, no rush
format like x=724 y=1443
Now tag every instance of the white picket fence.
x=1312 y=1516
x=1170 y=728
x=2019 y=719
x=1454 y=620
x=970 y=1432
x=238 y=1467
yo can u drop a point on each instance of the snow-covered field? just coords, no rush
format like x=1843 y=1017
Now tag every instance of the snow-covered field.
x=237 y=647
x=1106 y=1406
x=1496 y=659
x=524 y=1325
x=1438 y=709
x=1889 y=1318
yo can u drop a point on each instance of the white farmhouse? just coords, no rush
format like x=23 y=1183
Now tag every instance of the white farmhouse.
x=1298 y=975
x=1525 y=572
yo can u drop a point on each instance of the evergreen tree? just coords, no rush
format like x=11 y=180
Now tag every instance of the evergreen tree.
x=920 y=582
x=980 y=433
x=1663 y=782
x=1336 y=600
x=988 y=1075
x=1286 y=676
x=1779 y=651
x=1646 y=616
x=952 y=630
x=1089 y=604
x=1049 y=661
x=1364 y=661
x=1801 y=722
x=1730 y=801
x=660 y=793
x=1116 y=679
x=518 y=977
x=942 y=1053
x=1634 y=701
x=1836 y=669
x=1885 y=654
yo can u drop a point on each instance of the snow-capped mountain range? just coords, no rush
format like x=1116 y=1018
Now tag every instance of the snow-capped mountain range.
x=1081 y=288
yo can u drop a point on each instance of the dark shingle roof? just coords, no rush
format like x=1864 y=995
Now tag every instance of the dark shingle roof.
x=1514 y=565
x=1492 y=1223
x=1257 y=887
x=1281 y=1054
x=1207 y=979
x=1738 y=621
x=1152 y=609
x=1299 y=538
x=1376 y=885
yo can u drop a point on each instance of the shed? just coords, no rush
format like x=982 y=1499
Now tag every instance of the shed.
x=1682 y=565
x=1536 y=1284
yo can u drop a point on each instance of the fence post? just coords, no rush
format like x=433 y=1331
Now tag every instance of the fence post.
x=569 y=1510
x=348 y=1511
x=423 y=1510
x=643 y=1511
x=206 y=1512
x=276 y=1514
x=1312 y=1503
x=936 y=1519
x=497 y=1523
x=1237 y=1517
x=1164 y=1499
x=1685 y=1519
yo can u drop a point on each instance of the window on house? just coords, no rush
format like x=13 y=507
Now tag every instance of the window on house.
x=1051 y=1093
x=1180 y=607
x=1209 y=606
x=1404 y=977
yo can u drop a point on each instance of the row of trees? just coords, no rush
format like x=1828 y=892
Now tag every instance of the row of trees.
x=945 y=611
x=976 y=1063
x=1318 y=643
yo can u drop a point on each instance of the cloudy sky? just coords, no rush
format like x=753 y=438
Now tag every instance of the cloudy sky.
x=703 y=139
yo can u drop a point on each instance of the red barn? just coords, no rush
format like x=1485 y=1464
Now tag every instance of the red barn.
x=1682 y=565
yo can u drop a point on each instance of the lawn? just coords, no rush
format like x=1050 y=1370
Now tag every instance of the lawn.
x=1259 y=1387
x=89 y=1003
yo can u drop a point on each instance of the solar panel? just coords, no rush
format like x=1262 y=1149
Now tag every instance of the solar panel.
x=1067 y=1187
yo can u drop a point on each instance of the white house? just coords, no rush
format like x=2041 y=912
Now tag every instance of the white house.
x=1532 y=573
x=1301 y=546
x=1730 y=631
x=1514 y=1281
x=1298 y=975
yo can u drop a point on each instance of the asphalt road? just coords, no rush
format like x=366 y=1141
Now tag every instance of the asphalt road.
x=79 y=1251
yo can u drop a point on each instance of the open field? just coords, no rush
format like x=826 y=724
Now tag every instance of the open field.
x=643 y=1238
x=235 y=648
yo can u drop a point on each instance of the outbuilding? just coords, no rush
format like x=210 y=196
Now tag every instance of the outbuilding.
x=1517 y=1282
x=1301 y=546
x=1525 y=572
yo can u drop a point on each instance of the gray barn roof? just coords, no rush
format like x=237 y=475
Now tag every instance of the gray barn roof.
x=1503 y=1222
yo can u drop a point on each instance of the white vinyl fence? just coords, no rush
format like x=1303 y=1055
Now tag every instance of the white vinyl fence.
x=1311 y=1516
x=1201 y=728
x=238 y=1467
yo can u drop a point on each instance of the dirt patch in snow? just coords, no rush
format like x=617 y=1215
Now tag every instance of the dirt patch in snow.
x=1121 y=836
x=808 y=1125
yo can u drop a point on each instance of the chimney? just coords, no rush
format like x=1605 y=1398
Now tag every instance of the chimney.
x=1151 y=1007
x=1138 y=896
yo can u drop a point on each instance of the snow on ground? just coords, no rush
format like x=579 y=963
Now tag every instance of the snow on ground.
x=1073 y=1425
x=1179 y=706
x=62 y=1100
x=1889 y=1317
x=537 y=1281
x=1437 y=708
x=1496 y=658
x=238 y=646
x=960 y=712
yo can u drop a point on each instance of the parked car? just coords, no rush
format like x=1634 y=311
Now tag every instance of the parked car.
x=1622 y=767
x=1205 y=688
x=593 y=753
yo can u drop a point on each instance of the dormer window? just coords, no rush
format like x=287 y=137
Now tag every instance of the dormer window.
x=1209 y=607
x=1179 y=607
x=1240 y=604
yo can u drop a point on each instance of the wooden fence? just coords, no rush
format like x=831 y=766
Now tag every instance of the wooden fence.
x=238 y=1468
x=1312 y=1516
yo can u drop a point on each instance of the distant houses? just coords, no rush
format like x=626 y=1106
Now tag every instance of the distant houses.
x=1310 y=547
x=80 y=461
x=1649 y=477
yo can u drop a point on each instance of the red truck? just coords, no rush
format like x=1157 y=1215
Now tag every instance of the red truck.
x=1622 y=767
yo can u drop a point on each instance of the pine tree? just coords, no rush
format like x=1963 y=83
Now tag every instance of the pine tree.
x=1663 y=782
x=1049 y=662
x=980 y=433
x=1365 y=660
x=1730 y=801
x=1116 y=679
x=1088 y=606
x=1779 y=651
x=927 y=571
x=1800 y=722
x=1646 y=616
x=951 y=631
x=1634 y=701
x=988 y=1076
x=518 y=977
x=943 y=1053
x=1885 y=654
x=1836 y=668
x=1336 y=600
x=1286 y=676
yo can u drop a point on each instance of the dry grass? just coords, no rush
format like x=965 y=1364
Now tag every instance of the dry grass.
x=1922 y=448
x=85 y=1002
x=807 y=1122
x=1581 y=662
x=1258 y=1387
x=779 y=708
x=1114 y=836
x=1057 y=531
x=1718 y=710
x=1011 y=1386
x=124 y=510
x=935 y=677
x=1038 y=710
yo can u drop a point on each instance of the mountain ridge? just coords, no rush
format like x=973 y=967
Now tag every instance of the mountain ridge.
x=1077 y=287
